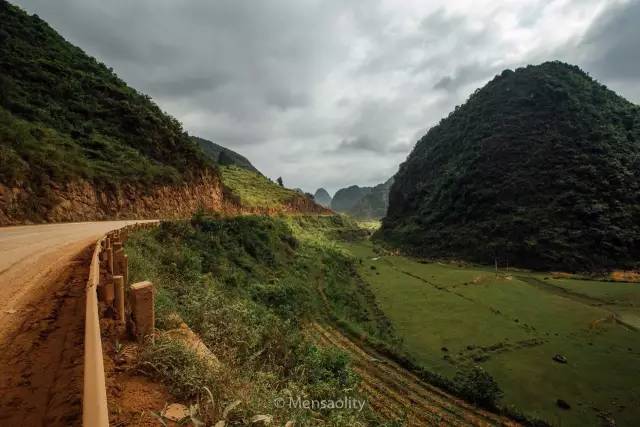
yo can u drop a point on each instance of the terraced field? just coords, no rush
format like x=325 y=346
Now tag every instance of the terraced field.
x=513 y=324
x=397 y=394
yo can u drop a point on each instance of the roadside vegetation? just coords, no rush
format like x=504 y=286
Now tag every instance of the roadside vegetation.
x=247 y=286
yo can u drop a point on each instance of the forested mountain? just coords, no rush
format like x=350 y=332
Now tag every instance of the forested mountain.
x=77 y=143
x=322 y=198
x=222 y=155
x=373 y=205
x=64 y=115
x=346 y=198
x=540 y=168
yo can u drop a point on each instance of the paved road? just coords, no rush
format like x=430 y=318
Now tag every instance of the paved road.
x=32 y=256
x=43 y=273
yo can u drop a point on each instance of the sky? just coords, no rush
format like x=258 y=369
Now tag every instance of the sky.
x=330 y=93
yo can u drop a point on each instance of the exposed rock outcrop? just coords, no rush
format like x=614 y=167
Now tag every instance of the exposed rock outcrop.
x=82 y=201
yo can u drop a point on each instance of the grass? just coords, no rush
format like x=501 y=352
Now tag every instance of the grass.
x=254 y=190
x=450 y=316
x=246 y=285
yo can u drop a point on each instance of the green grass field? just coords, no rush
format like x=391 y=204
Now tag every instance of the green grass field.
x=449 y=316
x=255 y=190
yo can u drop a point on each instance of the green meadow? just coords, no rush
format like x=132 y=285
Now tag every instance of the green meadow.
x=512 y=324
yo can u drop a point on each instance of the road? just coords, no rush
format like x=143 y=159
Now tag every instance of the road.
x=43 y=273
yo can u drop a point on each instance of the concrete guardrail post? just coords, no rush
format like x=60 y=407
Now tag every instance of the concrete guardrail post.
x=118 y=284
x=108 y=292
x=110 y=260
x=142 y=309
x=125 y=269
x=118 y=260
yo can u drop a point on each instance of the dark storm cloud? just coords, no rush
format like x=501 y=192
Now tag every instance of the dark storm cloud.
x=335 y=92
x=362 y=142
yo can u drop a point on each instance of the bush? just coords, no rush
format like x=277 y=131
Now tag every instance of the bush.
x=478 y=386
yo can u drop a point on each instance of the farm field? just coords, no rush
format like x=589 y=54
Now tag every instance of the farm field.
x=513 y=325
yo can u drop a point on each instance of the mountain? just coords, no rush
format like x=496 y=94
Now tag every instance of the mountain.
x=346 y=198
x=540 y=168
x=322 y=197
x=373 y=205
x=222 y=155
x=94 y=125
x=77 y=143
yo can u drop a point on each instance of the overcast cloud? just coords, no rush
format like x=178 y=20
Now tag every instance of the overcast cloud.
x=334 y=92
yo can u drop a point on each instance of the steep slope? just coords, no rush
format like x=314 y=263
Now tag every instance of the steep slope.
x=373 y=205
x=540 y=168
x=322 y=197
x=222 y=155
x=77 y=143
x=68 y=124
x=247 y=191
x=346 y=198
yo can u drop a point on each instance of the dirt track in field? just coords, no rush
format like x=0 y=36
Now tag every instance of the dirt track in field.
x=43 y=274
x=396 y=393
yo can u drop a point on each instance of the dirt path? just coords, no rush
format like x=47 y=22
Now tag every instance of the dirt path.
x=43 y=273
x=396 y=393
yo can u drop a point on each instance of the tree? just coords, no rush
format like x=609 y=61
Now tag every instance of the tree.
x=224 y=159
x=477 y=386
x=279 y=181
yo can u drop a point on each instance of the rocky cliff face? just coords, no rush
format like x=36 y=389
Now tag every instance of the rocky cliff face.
x=81 y=201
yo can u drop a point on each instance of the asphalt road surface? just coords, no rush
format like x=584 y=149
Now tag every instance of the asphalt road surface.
x=43 y=274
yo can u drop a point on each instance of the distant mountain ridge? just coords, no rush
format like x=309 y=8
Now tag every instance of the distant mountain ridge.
x=346 y=198
x=222 y=155
x=540 y=168
x=322 y=197
x=373 y=205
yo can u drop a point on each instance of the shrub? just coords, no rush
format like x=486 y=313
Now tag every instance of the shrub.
x=478 y=386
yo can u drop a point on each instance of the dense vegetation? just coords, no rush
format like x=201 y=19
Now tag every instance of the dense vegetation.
x=222 y=155
x=540 y=168
x=247 y=285
x=64 y=115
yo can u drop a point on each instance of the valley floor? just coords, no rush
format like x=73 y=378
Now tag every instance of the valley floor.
x=512 y=325
x=397 y=394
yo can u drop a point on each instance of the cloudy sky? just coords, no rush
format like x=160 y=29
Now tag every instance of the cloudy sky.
x=336 y=92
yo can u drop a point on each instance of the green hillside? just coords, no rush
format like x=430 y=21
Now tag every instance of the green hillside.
x=65 y=116
x=540 y=168
x=253 y=190
x=222 y=155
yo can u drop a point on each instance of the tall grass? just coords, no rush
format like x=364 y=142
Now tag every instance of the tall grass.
x=246 y=285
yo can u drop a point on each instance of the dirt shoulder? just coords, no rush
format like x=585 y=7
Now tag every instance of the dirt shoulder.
x=41 y=368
